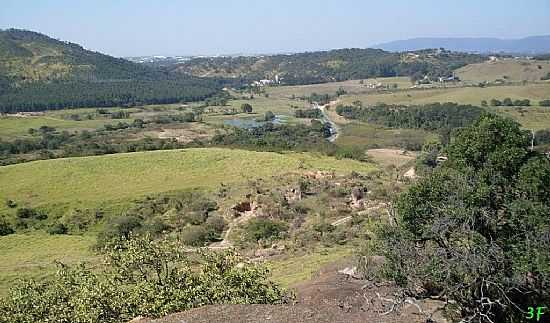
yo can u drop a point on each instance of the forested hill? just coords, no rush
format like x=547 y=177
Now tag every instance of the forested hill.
x=38 y=72
x=326 y=66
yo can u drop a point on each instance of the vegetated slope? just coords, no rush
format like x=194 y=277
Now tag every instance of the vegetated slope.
x=528 y=45
x=94 y=180
x=506 y=69
x=326 y=66
x=38 y=72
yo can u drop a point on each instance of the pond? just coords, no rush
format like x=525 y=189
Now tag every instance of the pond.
x=253 y=123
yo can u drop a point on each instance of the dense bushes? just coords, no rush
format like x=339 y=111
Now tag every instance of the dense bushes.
x=479 y=225
x=143 y=277
x=542 y=137
x=544 y=103
x=509 y=103
x=308 y=113
x=434 y=116
x=264 y=229
x=270 y=137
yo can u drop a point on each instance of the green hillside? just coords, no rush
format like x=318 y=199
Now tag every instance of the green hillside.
x=39 y=73
x=89 y=181
x=328 y=66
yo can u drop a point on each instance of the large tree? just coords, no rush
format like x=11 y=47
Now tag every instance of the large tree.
x=477 y=229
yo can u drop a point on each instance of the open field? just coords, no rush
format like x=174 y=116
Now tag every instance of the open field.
x=533 y=118
x=11 y=127
x=509 y=69
x=353 y=87
x=91 y=181
x=463 y=95
x=260 y=105
x=33 y=255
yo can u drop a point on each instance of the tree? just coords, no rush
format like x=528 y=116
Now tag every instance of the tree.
x=246 y=108
x=480 y=225
x=507 y=102
x=495 y=103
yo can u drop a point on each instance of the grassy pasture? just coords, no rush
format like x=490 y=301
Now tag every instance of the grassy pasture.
x=92 y=181
x=33 y=255
x=353 y=87
x=15 y=127
x=514 y=70
x=464 y=95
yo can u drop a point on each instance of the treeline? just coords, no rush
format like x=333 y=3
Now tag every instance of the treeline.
x=434 y=116
x=508 y=102
x=39 y=96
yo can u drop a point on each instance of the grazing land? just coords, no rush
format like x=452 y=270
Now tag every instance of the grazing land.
x=89 y=181
x=33 y=255
x=513 y=70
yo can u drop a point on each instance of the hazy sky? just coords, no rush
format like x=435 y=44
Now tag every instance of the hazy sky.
x=139 y=27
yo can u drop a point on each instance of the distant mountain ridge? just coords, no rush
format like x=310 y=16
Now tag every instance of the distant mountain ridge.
x=534 y=45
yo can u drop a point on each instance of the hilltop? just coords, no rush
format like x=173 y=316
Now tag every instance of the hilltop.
x=528 y=45
x=38 y=72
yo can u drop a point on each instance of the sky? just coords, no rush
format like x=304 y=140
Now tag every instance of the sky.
x=211 y=27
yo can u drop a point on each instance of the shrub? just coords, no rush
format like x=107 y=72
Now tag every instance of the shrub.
x=11 y=204
x=246 y=108
x=258 y=229
x=5 y=227
x=197 y=235
x=143 y=277
x=544 y=103
x=58 y=228
x=29 y=213
x=269 y=116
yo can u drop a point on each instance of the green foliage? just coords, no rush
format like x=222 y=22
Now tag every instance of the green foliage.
x=246 y=108
x=308 y=113
x=544 y=103
x=58 y=228
x=143 y=277
x=329 y=66
x=269 y=116
x=480 y=225
x=542 y=137
x=433 y=116
x=5 y=227
x=40 y=73
x=264 y=229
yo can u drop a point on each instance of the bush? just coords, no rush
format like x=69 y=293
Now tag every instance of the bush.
x=269 y=116
x=5 y=228
x=29 y=213
x=118 y=228
x=480 y=226
x=199 y=235
x=258 y=229
x=58 y=228
x=246 y=108
x=11 y=204
x=495 y=103
x=544 y=103
x=143 y=277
